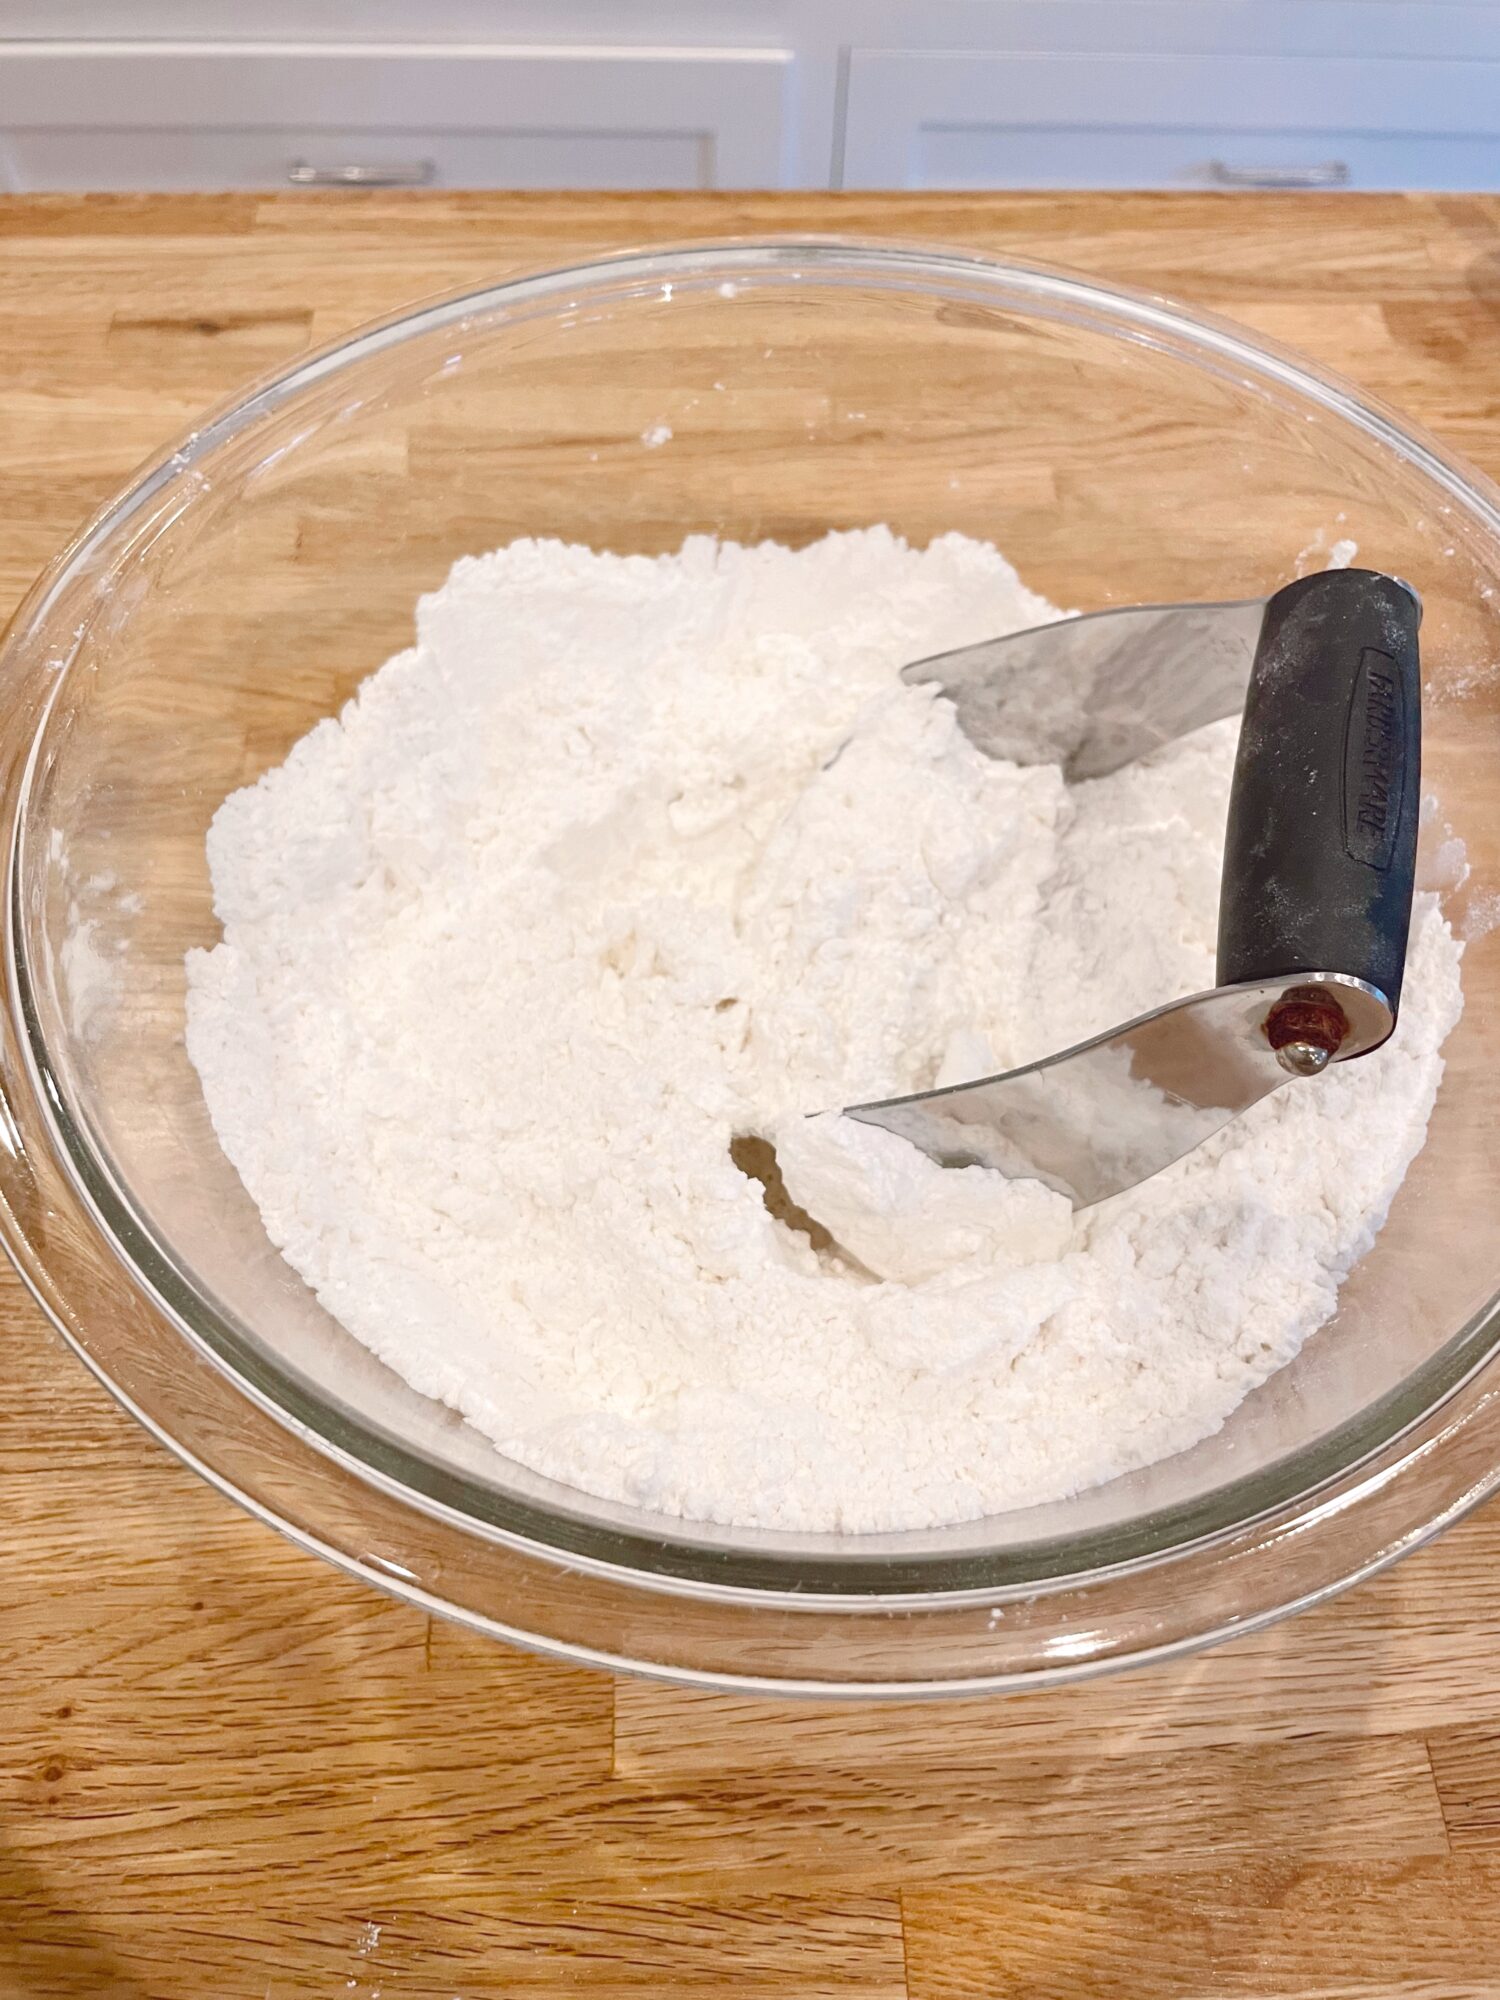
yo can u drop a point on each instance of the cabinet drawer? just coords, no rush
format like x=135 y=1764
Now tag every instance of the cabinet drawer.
x=210 y=159
x=182 y=116
x=939 y=120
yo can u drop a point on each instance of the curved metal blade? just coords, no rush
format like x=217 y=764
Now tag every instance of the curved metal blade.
x=1096 y=692
x=1097 y=1118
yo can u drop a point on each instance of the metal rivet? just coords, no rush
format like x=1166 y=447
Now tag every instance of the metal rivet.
x=1306 y=1028
x=1303 y=1058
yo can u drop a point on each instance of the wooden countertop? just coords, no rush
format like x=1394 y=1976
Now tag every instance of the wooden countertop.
x=228 y=1773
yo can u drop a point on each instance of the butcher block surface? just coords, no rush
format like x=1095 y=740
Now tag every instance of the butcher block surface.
x=229 y=1773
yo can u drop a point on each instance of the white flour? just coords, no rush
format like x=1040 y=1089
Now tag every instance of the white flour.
x=578 y=889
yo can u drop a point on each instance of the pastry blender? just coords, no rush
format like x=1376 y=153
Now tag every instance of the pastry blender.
x=1315 y=899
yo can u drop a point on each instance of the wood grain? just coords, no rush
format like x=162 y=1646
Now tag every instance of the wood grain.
x=228 y=1774
x=1272 y=1925
x=782 y=1948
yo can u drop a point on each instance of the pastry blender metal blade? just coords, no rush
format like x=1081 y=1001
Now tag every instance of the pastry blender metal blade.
x=1315 y=899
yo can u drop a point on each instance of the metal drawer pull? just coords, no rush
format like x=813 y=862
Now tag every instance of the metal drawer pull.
x=1323 y=174
x=389 y=174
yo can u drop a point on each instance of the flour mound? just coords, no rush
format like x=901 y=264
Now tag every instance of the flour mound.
x=626 y=859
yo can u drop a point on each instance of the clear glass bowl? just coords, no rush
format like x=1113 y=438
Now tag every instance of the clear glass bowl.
x=1119 y=449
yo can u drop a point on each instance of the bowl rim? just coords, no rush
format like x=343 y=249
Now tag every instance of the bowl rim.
x=652 y=1559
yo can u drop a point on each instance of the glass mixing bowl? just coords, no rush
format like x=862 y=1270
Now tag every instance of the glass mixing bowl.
x=1119 y=449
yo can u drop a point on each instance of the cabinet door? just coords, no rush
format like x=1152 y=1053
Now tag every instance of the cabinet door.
x=918 y=120
x=206 y=116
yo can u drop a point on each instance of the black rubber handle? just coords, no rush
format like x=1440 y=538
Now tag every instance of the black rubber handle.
x=1320 y=852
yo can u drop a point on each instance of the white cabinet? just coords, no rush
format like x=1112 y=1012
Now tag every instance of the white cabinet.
x=206 y=94
x=178 y=115
x=989 y=118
